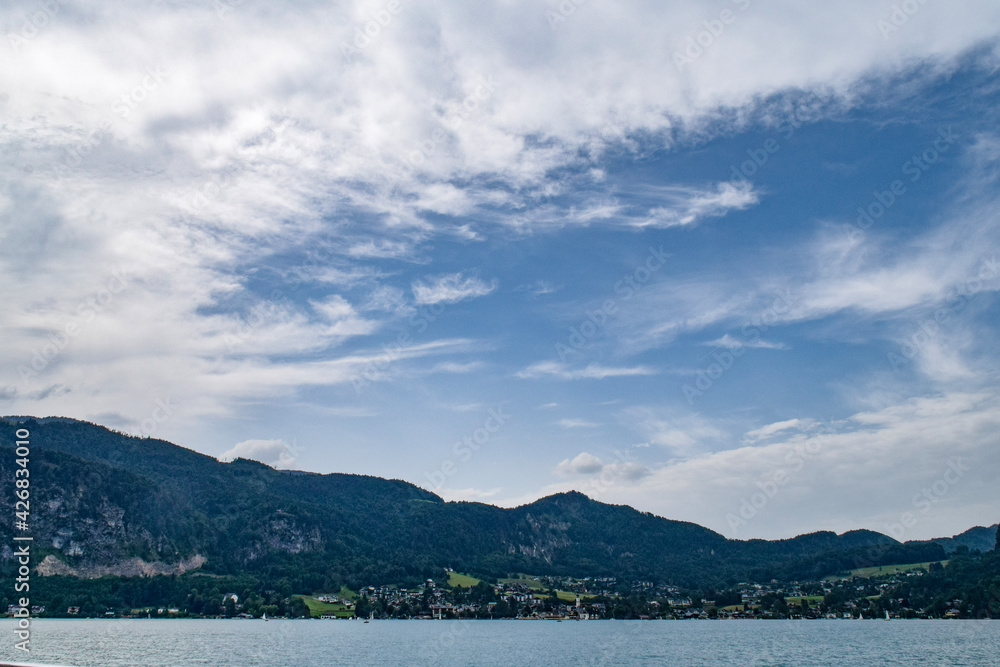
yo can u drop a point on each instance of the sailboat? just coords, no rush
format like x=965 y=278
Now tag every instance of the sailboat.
x=264 y=615
x=887 y=614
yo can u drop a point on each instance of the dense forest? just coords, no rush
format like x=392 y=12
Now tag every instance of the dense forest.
x=123 y=521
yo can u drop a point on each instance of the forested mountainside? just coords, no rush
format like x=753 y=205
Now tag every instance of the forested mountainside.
x=106 y=503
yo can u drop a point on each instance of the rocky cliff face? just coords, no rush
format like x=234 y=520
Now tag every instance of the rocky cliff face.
x=129 y=567
x=88 y=519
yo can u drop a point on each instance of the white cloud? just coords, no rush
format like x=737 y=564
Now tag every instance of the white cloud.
x=690 y=206
x=680 y=433
x=576 y=423
x=862 y=472
x=589 y=475
x=341 y=317
x=581 y=464
x=870 y=279
x=274 y=453
x=450 y=288
x=592 y=372
x=777 y=427
x=732 y=343
x=455 y=367
x=540 y=288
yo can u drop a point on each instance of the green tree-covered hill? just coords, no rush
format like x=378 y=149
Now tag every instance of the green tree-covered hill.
x=105 y=503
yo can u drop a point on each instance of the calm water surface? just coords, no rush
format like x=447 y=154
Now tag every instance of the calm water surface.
x=174 y=643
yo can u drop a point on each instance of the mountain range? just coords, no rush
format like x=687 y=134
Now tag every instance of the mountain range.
x=108 y=503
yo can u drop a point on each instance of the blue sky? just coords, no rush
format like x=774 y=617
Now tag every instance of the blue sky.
x=507 y=249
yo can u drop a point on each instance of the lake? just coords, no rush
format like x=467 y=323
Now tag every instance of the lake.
x=238 y=643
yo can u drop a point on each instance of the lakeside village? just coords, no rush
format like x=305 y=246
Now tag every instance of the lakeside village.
x=873 y=593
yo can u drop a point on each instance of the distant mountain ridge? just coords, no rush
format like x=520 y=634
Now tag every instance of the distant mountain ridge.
x=979 y=538
x=109 y=503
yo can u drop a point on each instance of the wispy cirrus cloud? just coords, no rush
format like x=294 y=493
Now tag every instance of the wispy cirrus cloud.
x=576 y=423
x=731 y=342
x=562 y=371
x=688 y=206
x=450 y=288
x=777 y=427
